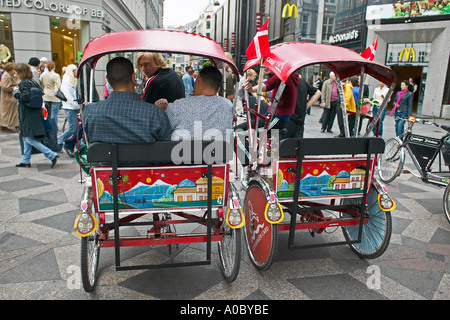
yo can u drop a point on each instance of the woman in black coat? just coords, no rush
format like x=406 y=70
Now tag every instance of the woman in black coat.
x=30 y=120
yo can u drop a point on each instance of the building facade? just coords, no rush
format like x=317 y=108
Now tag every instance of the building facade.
x=413 y=39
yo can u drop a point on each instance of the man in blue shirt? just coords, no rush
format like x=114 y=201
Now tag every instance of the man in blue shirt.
x=187 y=81
x=124 y=117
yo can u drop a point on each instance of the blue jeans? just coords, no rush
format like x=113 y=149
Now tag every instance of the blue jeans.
x=383 y=115
x=400 y=124
x=28 y=143
x=72 y=122
x=54 y=106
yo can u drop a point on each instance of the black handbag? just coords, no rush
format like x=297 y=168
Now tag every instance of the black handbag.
x=60 y=95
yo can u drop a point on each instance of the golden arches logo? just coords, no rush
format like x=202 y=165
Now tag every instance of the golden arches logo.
x=407 y=52
x=290 y=8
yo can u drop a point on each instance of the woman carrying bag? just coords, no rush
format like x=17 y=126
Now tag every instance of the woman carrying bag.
x=30 y=119
x=70 y=106
x=403 y=105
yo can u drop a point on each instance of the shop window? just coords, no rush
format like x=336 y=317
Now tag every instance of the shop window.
x=6 y=41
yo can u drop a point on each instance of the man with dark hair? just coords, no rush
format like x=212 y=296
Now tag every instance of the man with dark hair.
x=204 y=114
x=124 y=117
x=187 y=81
x=34 y=65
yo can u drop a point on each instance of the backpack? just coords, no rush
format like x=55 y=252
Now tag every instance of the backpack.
x=36 y=95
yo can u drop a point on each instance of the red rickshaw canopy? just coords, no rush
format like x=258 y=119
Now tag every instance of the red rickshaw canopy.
x=286 y=58
x=162 y=41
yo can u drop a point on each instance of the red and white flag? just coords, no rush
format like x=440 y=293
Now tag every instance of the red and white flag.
x=369 y=53
x=259 y=47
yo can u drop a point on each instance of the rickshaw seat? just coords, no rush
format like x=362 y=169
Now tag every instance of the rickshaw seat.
x=330 y=146
x=162 y=152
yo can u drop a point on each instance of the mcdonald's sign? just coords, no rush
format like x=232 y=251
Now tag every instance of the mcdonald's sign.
x=289 y=8
x=407 y=53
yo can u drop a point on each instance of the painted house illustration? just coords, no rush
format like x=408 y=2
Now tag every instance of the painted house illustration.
x=198 y=191
x=352 y=180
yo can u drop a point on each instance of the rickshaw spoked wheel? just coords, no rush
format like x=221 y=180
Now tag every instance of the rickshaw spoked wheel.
x=376 y=234
x=230 y=248
x=90 y=256
x=260 y=235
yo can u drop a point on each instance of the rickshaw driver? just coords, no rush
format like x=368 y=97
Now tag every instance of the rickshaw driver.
x=204 y=113
x=286 y=107
x=124 y=117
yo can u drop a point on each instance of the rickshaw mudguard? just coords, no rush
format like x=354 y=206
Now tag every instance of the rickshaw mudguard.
x=385 y=201
x=273 y=212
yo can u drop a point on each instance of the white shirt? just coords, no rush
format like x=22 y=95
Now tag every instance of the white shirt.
x=380 y=93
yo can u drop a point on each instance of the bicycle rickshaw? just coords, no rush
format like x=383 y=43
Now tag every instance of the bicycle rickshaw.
x=121 y=189
x=322 y=183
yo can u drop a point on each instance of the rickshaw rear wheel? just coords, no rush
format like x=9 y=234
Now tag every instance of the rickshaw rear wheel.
x=376 y=234
x=230 y=252
x=90 y=255
x=260 y=235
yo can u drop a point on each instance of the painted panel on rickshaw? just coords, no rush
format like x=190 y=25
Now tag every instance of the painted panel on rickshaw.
x=160 y=187
x=322 y=178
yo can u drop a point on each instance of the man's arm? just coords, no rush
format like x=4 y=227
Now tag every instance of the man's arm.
x=313 y=99
x=162 y=103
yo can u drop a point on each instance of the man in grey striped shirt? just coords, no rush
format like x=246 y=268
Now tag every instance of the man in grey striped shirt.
x=204 y=115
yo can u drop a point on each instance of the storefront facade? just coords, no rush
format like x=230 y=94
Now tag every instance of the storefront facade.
x=59 y=30
x=415 y=45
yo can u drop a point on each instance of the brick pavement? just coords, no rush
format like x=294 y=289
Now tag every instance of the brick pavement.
x=39 y=250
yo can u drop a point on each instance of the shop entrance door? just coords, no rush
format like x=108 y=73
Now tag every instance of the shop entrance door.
x=65 y=35
x=418 y=76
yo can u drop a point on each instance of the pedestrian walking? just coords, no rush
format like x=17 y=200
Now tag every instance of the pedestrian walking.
x=403 y=104
x=188 y=82
x=30 y=119
x=9 y=115
x=378 y=96
x=51 y=82
x=330 y=101
x=70 y=107
x=34 y=64
x=350 y=106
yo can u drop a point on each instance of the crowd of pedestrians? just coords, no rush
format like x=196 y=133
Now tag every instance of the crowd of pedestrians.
x=29 y=106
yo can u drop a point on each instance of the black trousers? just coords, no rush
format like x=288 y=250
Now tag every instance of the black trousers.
x=329 y=116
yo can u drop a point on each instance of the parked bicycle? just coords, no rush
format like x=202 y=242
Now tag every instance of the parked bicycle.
x=423 y=151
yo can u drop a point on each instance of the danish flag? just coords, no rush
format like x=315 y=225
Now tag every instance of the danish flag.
x=369 y=53
x=259 y=47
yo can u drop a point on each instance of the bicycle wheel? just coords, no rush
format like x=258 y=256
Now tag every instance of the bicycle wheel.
x=390 y=163
x=261 y=236
x=230 y=252
x=90 y=255
x=447 y=202
x=376 y=234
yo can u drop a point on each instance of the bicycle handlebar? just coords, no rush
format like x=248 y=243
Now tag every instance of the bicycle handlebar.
x=415 y=120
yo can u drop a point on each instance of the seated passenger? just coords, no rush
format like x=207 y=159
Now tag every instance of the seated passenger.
x=162 y=82
x=124 y=117
x=203 y=115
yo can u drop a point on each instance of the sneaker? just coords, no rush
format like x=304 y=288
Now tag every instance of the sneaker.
x=322 y=130
x=23 y=165
x=329 y=131
x=55 y=159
